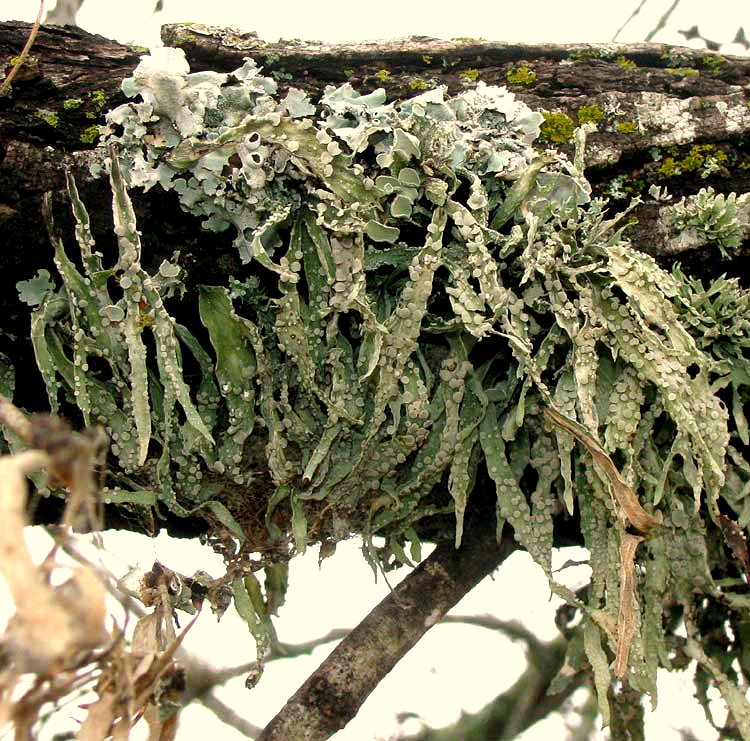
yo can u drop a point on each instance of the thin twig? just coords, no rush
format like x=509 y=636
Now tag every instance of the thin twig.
x=224 y=713
x=5 y=87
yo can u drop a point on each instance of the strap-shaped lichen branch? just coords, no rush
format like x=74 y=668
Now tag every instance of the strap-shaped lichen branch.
x=421 y=292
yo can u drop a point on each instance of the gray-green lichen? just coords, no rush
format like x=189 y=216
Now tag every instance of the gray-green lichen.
x=706 y=218
x=420 y=285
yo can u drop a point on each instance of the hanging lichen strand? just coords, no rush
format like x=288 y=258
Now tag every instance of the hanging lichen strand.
x=426 y=299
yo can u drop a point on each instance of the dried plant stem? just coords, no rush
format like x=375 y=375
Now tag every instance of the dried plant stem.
x=5 y=87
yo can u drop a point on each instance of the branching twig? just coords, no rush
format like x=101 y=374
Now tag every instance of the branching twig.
x=333 y=694
x=224 y=713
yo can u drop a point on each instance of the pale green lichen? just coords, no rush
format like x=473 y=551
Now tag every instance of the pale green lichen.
x=418 y=286
x=707 y=217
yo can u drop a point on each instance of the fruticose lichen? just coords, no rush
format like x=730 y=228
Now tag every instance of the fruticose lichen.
x=426 y=304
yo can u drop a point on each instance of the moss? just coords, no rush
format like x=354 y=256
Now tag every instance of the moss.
x=417 y=84
x=348 y=72
x=590 y=113
x=71 y=104
x=682 y=71
x=557 y=128
x=427 y=59
x=627 y=127
x=582 y=55
x=99 y=100
x=469 y=74
x=668 y=168
x=90 y=134
x=384 y=75
x=713 y=61
x=521 y=75
x=50 y=118
x=624 y=62
x=703 y=158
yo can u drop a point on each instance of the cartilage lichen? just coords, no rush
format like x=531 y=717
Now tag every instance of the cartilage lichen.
x=418 y=285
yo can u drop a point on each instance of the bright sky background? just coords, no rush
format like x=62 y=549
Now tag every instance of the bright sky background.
x=453 y=667
x=340 y=20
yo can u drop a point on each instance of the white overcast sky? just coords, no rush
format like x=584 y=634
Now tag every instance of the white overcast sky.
x=449 y=669
x=340 y=20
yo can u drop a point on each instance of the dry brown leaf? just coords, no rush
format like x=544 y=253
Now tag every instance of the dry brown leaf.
x=628 y=608
x=624 y=495
x=51 y=626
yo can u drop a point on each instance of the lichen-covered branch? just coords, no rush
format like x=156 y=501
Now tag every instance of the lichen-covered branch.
x=427 y=312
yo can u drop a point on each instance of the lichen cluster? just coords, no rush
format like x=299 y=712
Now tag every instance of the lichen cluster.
x=427 y=302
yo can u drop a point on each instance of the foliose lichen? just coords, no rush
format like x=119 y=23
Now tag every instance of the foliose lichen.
x=426 y=300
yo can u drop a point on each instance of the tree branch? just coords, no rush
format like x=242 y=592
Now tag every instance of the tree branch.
x=227 y=716
x=522 y=705
x=333 y=694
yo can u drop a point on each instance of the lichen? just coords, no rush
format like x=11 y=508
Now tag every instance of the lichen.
x=427 y=306
x=704 y=218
